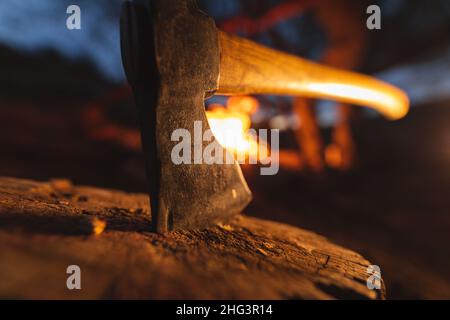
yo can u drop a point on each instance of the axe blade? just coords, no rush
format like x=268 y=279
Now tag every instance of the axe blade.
x=171 y=56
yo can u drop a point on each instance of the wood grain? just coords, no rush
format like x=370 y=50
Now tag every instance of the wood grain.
x=46 y=226
x=249 y=68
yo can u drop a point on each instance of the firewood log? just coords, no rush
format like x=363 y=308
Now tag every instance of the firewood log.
x=47 y=226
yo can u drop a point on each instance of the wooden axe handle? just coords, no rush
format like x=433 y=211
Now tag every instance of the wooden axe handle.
x=249 y=68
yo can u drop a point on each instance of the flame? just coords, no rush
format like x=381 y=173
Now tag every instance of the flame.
x=230 y=125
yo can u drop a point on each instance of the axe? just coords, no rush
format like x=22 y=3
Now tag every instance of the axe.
x=174 y=58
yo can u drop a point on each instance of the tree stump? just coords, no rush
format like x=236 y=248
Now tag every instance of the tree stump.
x=47 y=226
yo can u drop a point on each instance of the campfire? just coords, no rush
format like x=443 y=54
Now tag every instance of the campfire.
x=230 y=125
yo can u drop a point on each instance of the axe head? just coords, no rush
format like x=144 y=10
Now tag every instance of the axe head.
x=170 y=53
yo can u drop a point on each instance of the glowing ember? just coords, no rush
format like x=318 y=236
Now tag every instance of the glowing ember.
x=230 y=126
x=333 y=156
x=98 y=226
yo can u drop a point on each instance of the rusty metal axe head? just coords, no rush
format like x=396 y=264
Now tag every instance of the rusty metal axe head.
x=170 y=53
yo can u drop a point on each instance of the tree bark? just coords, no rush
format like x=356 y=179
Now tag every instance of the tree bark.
x=47 y=226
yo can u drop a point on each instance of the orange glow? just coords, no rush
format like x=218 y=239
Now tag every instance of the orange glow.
x=98 y=226
x=333 y=156
x=230 y=125
x=388 y=100
x=243 y=104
